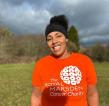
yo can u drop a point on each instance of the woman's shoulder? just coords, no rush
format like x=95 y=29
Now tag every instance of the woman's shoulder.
x=43 y=60
x=81 y=56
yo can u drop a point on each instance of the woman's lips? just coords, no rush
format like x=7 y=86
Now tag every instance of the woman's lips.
x=56 y=48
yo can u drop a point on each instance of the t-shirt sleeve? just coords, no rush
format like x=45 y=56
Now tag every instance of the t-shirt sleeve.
x=91 y=73
x=36 y=78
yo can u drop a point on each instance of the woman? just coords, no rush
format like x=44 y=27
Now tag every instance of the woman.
x=63 y=78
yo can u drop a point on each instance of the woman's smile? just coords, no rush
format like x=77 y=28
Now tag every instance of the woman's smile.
x=56 y=48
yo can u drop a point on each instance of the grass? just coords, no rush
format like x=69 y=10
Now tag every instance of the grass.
x=103 y=82
x=15 y=84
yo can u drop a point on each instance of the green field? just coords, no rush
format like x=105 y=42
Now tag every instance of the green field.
x=15 y=84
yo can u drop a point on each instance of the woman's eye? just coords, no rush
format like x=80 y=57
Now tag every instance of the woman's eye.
x=48 y=39
x=58 y=35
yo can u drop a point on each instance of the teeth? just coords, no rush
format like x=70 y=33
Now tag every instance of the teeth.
x=56 y=48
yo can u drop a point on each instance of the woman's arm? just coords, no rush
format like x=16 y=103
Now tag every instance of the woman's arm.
x=93 y=97
x=36 y=97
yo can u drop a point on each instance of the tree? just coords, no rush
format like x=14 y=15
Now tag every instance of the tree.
x=73 y=37
x=5 y=35
x=106 y=56
x=5 y=39
x=98 y=52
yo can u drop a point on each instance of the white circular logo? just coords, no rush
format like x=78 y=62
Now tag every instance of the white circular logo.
x=71 y=75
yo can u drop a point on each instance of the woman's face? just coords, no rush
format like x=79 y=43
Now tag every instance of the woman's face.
x=57 y=43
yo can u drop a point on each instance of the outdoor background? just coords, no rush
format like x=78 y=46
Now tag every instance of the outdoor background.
x=22 y=42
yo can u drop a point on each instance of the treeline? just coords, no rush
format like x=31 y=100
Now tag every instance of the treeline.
x=28 y=48
x=21 y=48
x=98 y=52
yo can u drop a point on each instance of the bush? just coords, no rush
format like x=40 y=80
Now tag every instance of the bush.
x=98 y=52
x=106 y=54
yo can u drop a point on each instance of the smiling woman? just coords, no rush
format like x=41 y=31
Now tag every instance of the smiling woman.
x=57 y=37
x=63 y=78
x=57 y=43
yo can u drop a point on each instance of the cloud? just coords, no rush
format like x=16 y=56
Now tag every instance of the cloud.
x=24 y=18
x=31 y=16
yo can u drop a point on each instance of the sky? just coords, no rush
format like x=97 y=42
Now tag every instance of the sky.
x=90 y=17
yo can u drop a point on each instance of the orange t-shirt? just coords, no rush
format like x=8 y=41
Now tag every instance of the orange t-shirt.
x=63 y=82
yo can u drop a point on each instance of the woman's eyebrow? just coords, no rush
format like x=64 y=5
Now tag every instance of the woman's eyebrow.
x=51 y=35
x=57 y=33
x=48 y=36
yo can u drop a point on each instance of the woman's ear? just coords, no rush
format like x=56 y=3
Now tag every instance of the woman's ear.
x=66 y=40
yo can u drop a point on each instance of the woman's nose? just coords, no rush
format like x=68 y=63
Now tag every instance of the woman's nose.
x=54 y=40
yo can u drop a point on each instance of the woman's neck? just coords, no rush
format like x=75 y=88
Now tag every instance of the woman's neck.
x=66 y=54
